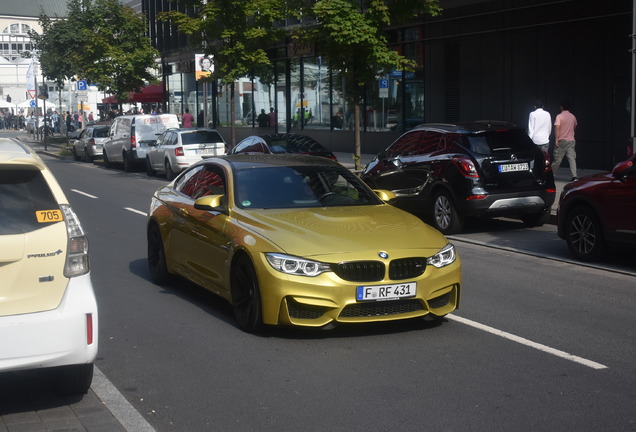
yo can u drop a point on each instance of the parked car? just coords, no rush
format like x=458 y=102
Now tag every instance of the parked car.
x=599 y=211
x=89 y=145
x=48 y=312
x=177 y=149
x=298 y=240
x=130 y=137
x=454 y=171
x=282 y=144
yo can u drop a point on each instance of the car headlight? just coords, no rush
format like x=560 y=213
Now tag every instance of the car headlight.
x=296 y=266
x=444 y=257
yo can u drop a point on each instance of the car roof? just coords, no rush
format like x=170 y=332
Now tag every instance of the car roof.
x=17 y=155
x=262 y=160
x=467 y=127
x=13 y=152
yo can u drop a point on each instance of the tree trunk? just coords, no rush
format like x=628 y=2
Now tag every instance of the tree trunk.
x=232 y=117
x=356 y=131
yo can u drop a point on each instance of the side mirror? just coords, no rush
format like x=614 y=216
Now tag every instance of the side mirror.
x=385 y=195
x=210 y=203
x=621 y=168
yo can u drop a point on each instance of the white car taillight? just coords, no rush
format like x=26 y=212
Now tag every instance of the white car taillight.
x=77 y=252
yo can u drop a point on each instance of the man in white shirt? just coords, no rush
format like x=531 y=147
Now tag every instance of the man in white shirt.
x=540 y=126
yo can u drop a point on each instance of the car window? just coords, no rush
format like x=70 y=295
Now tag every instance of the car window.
x=408 y=144
x=101 y=132
x=201 y=137
x=516 y=140
x=206 y=180
x=294 y=144
x=248 y=145
x=22 y=194
x=302 y=186
x=122 y=127
x=430 y=142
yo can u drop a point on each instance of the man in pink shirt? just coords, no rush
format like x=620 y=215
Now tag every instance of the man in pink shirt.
x=564 y=141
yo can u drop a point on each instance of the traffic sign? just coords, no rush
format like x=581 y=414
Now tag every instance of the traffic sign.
x=82 y=85
x=32 y=103
x=383 y=92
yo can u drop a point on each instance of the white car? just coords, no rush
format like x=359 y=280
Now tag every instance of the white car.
x=48 y=312
x=177 y=149
x=131 y=136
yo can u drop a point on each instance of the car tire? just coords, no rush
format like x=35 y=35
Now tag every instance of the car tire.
x=149 y=170
x=73 y=379
x=107 y=162
x=76 y=157
x=87 y=157
x=584 y=234
x=128 y=165
x=170 y=175
x=157 y=257
x=446 y=219
x=536 y=219
x=246 y=296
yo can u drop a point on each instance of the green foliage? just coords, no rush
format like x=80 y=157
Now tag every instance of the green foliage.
x=101 y=41
x=235 y=32
x=351 y=35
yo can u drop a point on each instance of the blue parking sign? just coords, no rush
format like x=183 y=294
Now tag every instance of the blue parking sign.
x=81 y=85
x=384 y=83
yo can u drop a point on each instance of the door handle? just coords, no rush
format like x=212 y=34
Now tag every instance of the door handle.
x=183 y=212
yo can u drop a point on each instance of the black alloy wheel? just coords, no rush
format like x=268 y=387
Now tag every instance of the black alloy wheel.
x=157 y=257
x=246 y=296
x=446 y=219
x=584 y=234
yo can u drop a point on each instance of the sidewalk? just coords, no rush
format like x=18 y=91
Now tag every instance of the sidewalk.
x=561 y=176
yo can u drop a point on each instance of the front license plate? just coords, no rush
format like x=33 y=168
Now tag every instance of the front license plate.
x=514 y=167
x=386 y=292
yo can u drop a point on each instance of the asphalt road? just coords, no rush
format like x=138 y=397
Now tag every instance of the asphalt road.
x=539 y=343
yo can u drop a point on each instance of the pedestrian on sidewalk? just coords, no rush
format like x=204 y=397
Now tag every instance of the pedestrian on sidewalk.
x=187 y=119
x=540 y=126
x=564 y=142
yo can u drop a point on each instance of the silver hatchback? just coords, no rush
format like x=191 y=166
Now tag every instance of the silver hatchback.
x=177 y=149
x=90 y=144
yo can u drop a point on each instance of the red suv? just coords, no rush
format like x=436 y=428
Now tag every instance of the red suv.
x=600 y=210
x=454 y=171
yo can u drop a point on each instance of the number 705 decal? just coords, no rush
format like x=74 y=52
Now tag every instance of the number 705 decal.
x=45 y=216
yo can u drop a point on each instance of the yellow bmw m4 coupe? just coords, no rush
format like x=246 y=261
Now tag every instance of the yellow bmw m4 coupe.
x=298 y=240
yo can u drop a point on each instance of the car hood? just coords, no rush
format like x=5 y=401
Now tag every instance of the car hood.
x=360 y=230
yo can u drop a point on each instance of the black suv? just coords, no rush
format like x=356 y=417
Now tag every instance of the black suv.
x=454 y=171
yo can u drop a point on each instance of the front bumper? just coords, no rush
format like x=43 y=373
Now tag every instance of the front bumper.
x=325 y=299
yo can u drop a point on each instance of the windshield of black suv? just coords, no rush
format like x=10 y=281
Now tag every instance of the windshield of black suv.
x=487 y=143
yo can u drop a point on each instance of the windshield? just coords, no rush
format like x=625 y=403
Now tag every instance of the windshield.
x=486 y=143
x=302 y=186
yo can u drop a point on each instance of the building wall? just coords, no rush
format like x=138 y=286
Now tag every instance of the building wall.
x=492 y=59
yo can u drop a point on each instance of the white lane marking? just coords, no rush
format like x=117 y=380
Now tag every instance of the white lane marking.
x=523 y=341
x=83 y=193
x=117 y=404
x=136 y=211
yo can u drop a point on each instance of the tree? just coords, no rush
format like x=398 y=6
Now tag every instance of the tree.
x=350 y=34
x=101 y=41
x=234 y=32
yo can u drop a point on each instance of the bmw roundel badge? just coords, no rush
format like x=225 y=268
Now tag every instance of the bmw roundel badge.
x=383 y=255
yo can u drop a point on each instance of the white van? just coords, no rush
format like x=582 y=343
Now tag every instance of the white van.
x=130 y=136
